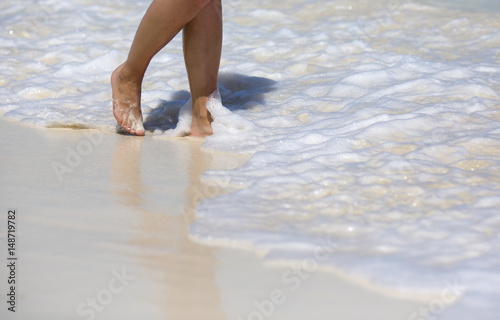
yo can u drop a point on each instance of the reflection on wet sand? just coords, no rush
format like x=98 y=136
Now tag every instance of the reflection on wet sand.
x=183 y=270
x=126 y=172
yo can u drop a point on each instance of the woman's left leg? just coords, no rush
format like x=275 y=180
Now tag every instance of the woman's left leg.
x=202 y=39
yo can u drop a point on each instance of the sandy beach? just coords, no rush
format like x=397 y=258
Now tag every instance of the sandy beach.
x=109 y=239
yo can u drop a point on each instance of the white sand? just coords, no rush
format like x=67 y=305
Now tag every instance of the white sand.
x=126 y=207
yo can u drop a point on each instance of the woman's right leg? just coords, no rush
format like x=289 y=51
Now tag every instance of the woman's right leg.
x=162 y=21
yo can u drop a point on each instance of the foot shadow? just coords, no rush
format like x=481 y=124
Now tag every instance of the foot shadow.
x=166 y=114
x=238 y=92
x=242 y=92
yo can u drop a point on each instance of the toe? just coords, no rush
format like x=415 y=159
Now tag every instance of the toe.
x=138 y=127
x=125 y=123
x=117 y=113
x=140 y=131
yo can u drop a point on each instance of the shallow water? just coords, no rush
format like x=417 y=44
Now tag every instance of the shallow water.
x=374 y=128
x=464 y=5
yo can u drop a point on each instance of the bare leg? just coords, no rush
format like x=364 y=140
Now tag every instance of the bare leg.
x=202 y=38
x=162 y=21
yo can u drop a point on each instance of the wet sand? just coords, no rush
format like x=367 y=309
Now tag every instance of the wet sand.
x=103 y=233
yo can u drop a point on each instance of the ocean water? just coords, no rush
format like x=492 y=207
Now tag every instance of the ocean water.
x=373 y=129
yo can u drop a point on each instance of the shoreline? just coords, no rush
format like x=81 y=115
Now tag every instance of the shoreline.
x=125 y=209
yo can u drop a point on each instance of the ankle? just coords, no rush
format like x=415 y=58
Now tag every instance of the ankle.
x=128 y=75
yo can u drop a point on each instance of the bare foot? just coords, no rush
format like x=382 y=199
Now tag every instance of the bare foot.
x=202 y=119
x=127 y=102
